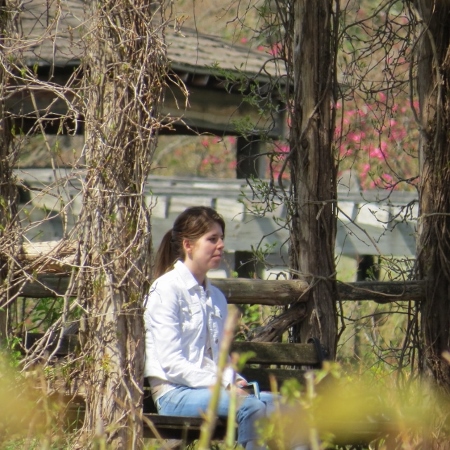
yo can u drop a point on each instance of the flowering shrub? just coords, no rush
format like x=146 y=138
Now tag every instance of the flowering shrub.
x=378 y=142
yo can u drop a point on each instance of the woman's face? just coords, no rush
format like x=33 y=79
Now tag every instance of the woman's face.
x=205 y=253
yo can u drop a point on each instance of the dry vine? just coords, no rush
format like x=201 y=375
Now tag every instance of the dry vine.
x=9 y=234
x=125 y=70
x=115 y=96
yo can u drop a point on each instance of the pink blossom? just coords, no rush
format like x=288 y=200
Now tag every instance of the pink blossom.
x=275 y=49
x=356 y=137
x=376 y=153
x=398 y=135
x=362 y=113
x=365 y=168
x=345 y=151
x=283 y=148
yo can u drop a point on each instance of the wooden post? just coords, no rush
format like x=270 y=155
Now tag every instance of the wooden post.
x=313 y=172
x=8 y=193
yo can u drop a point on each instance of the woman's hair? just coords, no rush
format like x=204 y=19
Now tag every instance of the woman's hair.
x=191 y=224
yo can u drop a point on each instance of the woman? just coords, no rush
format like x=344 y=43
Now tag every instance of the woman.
x=184 y=322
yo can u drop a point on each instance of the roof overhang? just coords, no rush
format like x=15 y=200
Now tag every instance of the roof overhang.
x=201 y=63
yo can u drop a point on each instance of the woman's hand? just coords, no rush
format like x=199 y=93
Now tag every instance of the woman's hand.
x=239 y=388
x=242 y=392
x=240 y=385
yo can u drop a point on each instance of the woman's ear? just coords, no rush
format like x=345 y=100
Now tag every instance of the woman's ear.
x=187 y=246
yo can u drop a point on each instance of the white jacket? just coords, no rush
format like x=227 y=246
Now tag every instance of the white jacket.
x=177 y=311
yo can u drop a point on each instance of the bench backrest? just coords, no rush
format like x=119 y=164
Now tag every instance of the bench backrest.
x=282 y=361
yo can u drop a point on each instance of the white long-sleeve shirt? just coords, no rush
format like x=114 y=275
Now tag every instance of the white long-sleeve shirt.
x=184 y=326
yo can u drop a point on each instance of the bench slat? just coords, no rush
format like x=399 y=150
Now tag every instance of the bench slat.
x=279 y=353
x=262 y=376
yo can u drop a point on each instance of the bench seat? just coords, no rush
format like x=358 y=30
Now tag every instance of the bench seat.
x=186 y=429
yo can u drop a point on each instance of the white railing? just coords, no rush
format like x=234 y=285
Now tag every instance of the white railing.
x=370 y=222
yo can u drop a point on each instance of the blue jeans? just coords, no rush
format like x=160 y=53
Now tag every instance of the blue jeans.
x=193 y=402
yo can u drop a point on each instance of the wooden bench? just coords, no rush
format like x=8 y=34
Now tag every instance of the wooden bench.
x=283 y=361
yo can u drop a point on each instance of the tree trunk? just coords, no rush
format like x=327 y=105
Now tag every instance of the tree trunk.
x=124 y=74
x=9 y=226
x=313 y=171
x=433 y=244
